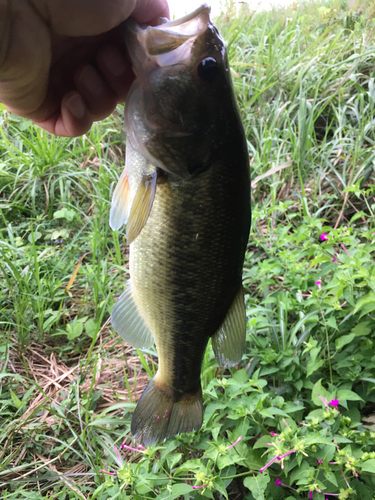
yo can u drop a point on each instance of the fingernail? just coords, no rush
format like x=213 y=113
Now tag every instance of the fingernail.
x=91 y=81
x=76 y=106
x=114 y=62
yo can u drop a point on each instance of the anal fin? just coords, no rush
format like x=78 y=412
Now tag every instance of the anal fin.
x=128 y=323
x=141 y=206
x=229 y=341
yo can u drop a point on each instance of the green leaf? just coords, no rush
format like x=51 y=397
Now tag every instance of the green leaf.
x=313 y=366
x=181 y=489
x=173 y=459
x=175 y=491
x=358 y=215
x=64 y=213
x=257 y=485
x=319 y=389
x=224 y=461
x=361 y=329
x=345 y=395
x=262 y=442
x=331 y=321
x=369 y=466
x=91 y=327
x=301 y=472
x=330 y=476
x=37 y=236
x=16 y=400
x=366 y=299
x=74 y=329
x=253 y=458
x=345 y=339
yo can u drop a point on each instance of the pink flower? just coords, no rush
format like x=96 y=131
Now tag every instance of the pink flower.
x=334 y=259
x=310 y=495
x=335 y=402
x=319 y=283
x=323 y=237
x=267 y=465
x=324 y=401
x=278 y=482
x=234 y=444
x=199 y=487
x=320 y=461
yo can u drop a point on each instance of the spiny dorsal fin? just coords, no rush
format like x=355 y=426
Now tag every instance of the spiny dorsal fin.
x=229 y=341
x=128 y=323
x=141 y=206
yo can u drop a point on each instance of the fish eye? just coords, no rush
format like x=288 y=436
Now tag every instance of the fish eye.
x=208 y=69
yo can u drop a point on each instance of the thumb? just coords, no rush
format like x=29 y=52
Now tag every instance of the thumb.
x=25 y=57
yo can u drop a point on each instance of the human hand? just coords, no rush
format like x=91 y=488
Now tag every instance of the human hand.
x=63 y=63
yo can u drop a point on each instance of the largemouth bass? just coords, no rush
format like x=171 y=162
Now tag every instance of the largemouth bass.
x=185 y=196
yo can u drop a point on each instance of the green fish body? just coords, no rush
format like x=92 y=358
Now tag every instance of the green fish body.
x=185 y=196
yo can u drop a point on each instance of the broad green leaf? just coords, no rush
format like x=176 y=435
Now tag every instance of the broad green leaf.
x=173 y=459
x=91 y=327
x=257 y=485
x=369 y=466
x=330 y=476
x=301 y=472
x=262 y=442
x=319 y=389
x=312 y=366
x=345 y=339
x=64 y=213
x=348 y=396
x=37 y=235
x=361 y=329
x=366 y=299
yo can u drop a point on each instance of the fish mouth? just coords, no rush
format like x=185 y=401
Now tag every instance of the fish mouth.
x=168 y=43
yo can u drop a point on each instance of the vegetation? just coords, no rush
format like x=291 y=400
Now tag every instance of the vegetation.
x=295 y=419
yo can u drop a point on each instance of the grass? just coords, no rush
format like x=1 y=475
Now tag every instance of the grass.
x=305 y=86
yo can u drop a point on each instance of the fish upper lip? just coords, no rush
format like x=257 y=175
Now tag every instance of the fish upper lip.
x=155 y=43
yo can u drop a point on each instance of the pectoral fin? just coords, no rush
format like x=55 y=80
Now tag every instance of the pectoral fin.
x=141 y=206
x=128 y=323
x=120 y=202
x=229 y=341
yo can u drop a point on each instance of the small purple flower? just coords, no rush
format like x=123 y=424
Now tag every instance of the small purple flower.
x=310 y=495
x=334 y=259
x=335 y=402
x=279 y=483
x=323 y=237
x=320 y=461
x=319 y=283
x=199 y=487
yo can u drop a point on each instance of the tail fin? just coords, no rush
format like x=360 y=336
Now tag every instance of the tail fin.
x=158 y=415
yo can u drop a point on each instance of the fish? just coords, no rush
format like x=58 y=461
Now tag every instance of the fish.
x=184 y=196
